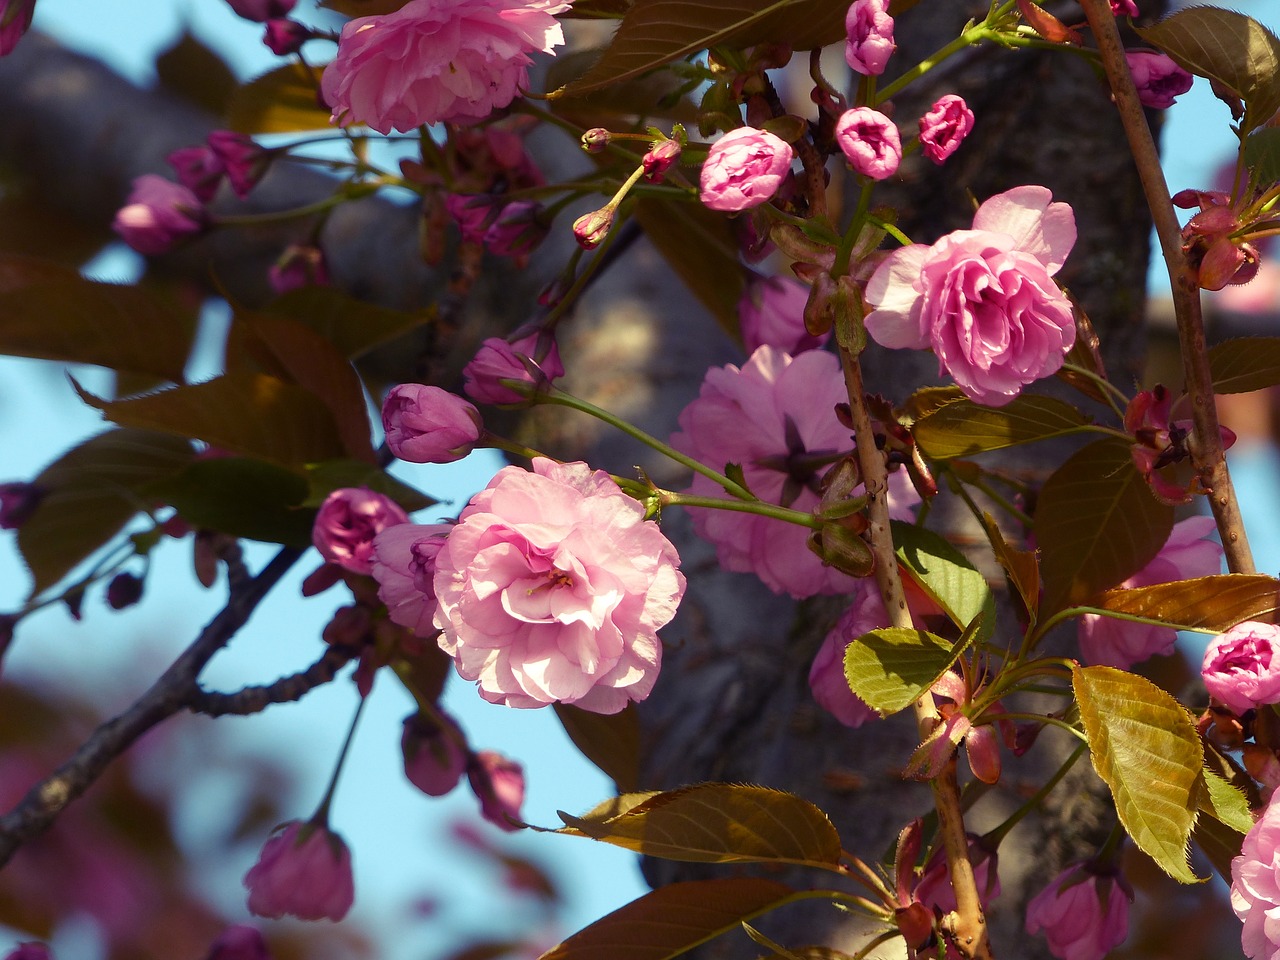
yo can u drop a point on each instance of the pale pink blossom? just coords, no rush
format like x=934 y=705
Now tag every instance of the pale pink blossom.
x=773 y=417
x=1188 y=553
x=1241 y=667
x=771 y=311
x=437 y=60
x=15 y=20
x=533 y=359
x=984 y=299
x=434 y=751
x=304 y=871
x=744 y=169
x=404 y=564
x=868 y=37
x=1083 y=914
x=552 y=587
x=944 y=127
x=158 y=214
x=1255 y=887
x=426 y=424
x=826 y=676
x=870 y=142
x=498 y=784
x=347 y=522
x=1159 y=80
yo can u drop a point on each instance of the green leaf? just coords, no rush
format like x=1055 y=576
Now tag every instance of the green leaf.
x=352 y=326
x=242 y=498
x=1224 y=802
x=250 y=414
x=718 y=823
x=1262 y=154
x=964 y=428
x=283 y=101
x=324 y=478
x=673 y=919
x=194 y=72
x=699 y=245
x=889 y=669
x=91 y=492
x=946 y=575
x=1209 y=604
x=609 y=740
x=1244 y=364
x=1236 y=51
x=111 y=325
x=1096 y=523
x=1143 y=744
x=656 y=32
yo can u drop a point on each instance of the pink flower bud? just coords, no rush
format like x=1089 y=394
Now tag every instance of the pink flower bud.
x=261 y=10
x=284 y=36
x=1159 y=80
x=499 y=785
x=473 y=213
x=18 y=501
x=661 y=158
x=517 y=230
x=743 y=169
x=435 y=755
x=944 y=127
x=590 y=229
x=301 y=265
x=870 y=142
x=1241 y=667
x=158 y=214
x=499 y=360
x=426 y=424
x=595 y=140
x=198 y=169
x=31 y=950
x=1083 y=913
x=347 y=522
x=1124 y=8
x=124 y=590
x=304 y=871
x=239 y=942
x=772 y=311
x=934 y=886
x=244 y=161
x=869 y=43
x=15 y=20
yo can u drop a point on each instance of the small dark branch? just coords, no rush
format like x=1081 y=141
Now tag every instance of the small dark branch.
x=169 y=694
x=285 y=690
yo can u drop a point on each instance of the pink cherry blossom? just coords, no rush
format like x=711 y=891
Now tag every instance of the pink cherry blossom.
x=499 y=360
x=242 y=159
x=15 y=20
x=1159 y=80
x=944 y=127
x=984 y=299
x=435 y=753
x=498 y=783
x=1083 y=914
x=1255 y=886
x=772 y=311
x=239 y=942
x=198 y=169
x=744 y=169
x=934 y=886
x=552 y=587
x=1241 y=667
x=404 y=564
x=826 y=676
x=1188 y=553
x=425 y=424
x=1124 y=8
x=304 y=871
x=773 y=417
x=869 y=37
x=158 y=214
x=347 y=522
x=870 y=142
x=284 y=36
x=437 y=60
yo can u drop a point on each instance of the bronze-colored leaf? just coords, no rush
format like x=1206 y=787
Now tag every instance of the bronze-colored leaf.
x=283 y=101
x=352 y=326
x=609 y=740
x=964 y=428
x=1021 y=566
x=1245 y=364
x=192 y=70
x=699 y=245
x=1212 y=604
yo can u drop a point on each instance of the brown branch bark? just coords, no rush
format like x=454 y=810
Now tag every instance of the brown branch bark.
x=255 y=699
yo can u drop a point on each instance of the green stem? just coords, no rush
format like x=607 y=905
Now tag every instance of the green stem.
x=670 y=499
x=321 y=815
x=258 y=219
x=850 y=238
x=995 y=836
x=1106 y=386
x=973 y=34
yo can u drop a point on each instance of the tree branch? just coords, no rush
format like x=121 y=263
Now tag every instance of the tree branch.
x=255 y=699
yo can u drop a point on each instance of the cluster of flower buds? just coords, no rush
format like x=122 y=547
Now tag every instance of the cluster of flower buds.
x=1161 y=442
x=1216 y=239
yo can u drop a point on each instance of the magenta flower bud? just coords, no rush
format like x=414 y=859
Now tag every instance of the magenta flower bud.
x=261 y=10
x=869 y=141
x=934 y=886
x=498 y=360
x=1241 y=667
x=15 y=20
x=517 y=230
x=944 y=127
x=1083 y=913
x=426 y=424
x=301 y=265
x=474 y=213
x=660 y=158
x=239 y=942
x=595 y=139
x=124 y=590
x=347 y=522
x=499 y=785
x=744 y=169
x=590 y=229
x=772 y=311
x=158 y=214
x=284 y=36
x=304 y=871
x=18 y=501
x=1159 y=80
x=435 y=754
x=31 y=950
x=244 y=161
x=1124 y=8
x=869 y=43
x=198 y=169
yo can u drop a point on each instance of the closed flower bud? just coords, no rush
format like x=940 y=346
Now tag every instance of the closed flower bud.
x=1241 y=667
x=261 y=10
x=198 y=169
x=284 y=36
x=435 y=753
x=301 y=265
x=158 y=214
x=1159 y=80
x=18 y=501
x=124 y=591
x=870 y=142
x=944 y=127
x=426 y=424
x=499 y=785
x=590 y=229
x=303 y=871
x=660 y=158
x=498 y=360
x=517 y=230
x=347 y=522
x=239 y=942
x=15 y=20
x=595 y=140
x=244 y=160
x=744 y=169
x=869 y=36
x=841 y=548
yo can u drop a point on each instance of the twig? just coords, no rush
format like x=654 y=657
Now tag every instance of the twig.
x=169 y=694
x=250 y=700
